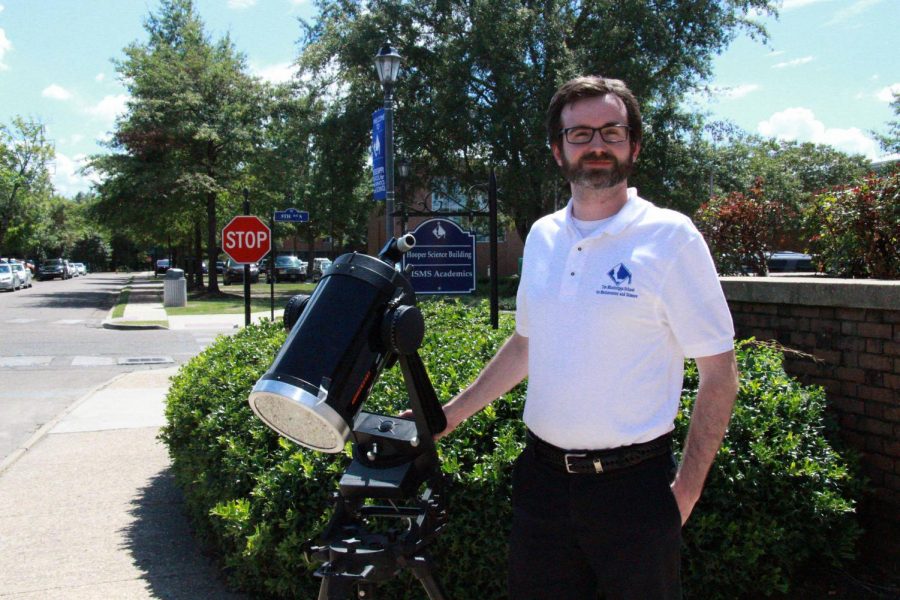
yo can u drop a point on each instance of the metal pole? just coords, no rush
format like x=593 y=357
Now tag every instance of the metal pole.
x=389 y=162
x=272 y=270
x=246 y=267
x=492 y=208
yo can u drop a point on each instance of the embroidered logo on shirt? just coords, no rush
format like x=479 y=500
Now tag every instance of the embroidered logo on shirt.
x=621 y=278
x=620 y=274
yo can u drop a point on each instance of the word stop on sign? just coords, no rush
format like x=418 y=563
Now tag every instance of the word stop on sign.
x=247 y=239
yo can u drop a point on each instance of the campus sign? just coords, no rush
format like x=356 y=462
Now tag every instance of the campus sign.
x=443 y=259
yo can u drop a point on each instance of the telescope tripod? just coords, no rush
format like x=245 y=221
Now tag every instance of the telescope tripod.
x=393 y=459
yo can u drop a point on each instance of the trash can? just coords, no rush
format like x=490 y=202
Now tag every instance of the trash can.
x=174 y=288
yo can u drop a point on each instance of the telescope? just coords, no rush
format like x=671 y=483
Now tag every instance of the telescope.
x=361 y=319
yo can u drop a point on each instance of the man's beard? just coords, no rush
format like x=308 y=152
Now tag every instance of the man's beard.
x=593 y=177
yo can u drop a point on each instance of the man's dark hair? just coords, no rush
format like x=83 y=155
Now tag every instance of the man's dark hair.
x=592 y=86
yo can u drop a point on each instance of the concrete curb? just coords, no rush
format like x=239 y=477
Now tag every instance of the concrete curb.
x=38 y=435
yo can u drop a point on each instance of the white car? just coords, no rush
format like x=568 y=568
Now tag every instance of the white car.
x=82 y=270
x=8 y=279
x=22 y=273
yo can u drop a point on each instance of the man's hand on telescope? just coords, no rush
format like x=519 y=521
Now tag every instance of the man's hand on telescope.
x=408 y=414
x=504 y=372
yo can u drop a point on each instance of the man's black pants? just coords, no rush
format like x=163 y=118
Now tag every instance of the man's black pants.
x=573 y=536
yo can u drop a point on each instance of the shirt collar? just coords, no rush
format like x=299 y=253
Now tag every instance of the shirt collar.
x=630 y=211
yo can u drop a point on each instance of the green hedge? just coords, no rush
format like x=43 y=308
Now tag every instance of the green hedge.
x=779 y=495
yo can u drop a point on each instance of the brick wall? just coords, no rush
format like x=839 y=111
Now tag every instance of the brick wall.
x=852 y=329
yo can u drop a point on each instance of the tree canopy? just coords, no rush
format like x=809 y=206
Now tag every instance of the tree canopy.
x=191 y=122
x=478 y=76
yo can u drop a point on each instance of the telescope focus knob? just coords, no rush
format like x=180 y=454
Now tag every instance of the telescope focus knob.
x=403 y=329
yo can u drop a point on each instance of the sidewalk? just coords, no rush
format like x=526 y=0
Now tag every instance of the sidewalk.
x=145 y=311
x=89 y=508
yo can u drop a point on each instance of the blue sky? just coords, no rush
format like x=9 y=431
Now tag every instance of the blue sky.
x=825 y=76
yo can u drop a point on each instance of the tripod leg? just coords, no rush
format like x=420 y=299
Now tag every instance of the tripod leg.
x=421 y=568
x=335 y=588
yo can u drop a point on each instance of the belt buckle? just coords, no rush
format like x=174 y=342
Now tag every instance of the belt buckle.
x=569 y=455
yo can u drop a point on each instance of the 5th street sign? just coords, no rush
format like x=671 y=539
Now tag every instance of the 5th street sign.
x=246 y=239
x=291 y=215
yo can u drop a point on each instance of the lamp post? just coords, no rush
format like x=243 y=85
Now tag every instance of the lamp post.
x=403 y=168
x=387 y=63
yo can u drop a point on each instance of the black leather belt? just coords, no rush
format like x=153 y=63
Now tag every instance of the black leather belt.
x=597 y=461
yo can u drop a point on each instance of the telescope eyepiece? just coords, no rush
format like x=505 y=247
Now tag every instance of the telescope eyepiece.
x=394 y=250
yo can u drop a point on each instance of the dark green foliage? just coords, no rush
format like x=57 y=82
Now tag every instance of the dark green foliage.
x=778 y=496
x=855 y=231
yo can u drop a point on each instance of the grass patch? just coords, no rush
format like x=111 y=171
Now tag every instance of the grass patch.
x=145 y=323
x=119 y=309
x=231 y=299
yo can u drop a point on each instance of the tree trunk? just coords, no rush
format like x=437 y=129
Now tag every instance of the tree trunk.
x=198 y=252
x=212 y=247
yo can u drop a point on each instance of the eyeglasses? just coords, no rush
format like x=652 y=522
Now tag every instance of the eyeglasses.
x=611 y=134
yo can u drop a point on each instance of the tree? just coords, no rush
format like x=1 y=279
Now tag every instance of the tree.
x=890 y=142
x=479 y=75
x=25 y=155
x=189 y=130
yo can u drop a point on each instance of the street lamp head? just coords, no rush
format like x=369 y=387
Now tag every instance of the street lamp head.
x=403 y=167
x=387 y=62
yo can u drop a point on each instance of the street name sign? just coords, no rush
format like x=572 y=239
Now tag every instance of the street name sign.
x=246 y=239
x=291 y=215
x=443 y=259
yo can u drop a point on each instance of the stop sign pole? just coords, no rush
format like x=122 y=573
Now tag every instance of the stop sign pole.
x=246 y=239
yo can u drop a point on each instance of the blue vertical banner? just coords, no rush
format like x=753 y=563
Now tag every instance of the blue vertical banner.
x=378 y=154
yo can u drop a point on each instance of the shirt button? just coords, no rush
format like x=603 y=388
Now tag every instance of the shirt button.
x=579 y=248
x=572 y=273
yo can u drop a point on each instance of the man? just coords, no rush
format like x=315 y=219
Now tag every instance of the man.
x=615 y=293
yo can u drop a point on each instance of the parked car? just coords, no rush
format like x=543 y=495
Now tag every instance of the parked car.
x=8 y=279
x=73 y=270
x=52 y=268
x=220 y=266
x=288 y=268
x=162 y=265
x=790 y=262
x=235 y=272
x=82 y=270
x=320 y=265
x=22 y=273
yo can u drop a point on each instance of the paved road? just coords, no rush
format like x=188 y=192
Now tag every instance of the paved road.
x=53 y=350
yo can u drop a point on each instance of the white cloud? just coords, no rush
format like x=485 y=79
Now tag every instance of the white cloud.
x=5 y=46
x=793 y=63
x=887 y=94
x=800 y=124
x=842 y=16
x=57 y=92
x=792 y=4
x=66 y=178
x=735 y=92
x=99 y=77
x=240 y=4
x=109 y=108
x=277 y=73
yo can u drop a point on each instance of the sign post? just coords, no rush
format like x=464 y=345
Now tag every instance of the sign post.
x=246 y=239
x=288 y=215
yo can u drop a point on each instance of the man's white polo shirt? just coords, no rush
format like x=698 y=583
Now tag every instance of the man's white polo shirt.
x=609 y=320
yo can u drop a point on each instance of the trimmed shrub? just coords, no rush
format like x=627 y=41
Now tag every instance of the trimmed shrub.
x=778 y=496
x=855 y=231
x=742 y=230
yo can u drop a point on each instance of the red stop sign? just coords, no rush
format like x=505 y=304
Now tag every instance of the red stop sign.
x=246 y=239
